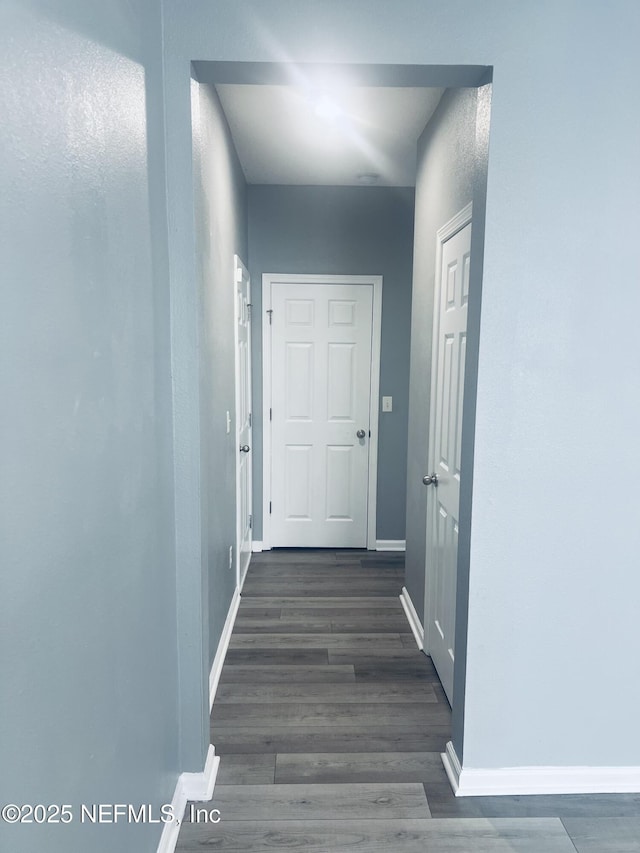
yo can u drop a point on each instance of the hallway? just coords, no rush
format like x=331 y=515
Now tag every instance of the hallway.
x=330 y=723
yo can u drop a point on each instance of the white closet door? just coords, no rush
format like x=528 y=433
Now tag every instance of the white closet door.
x=321 y=386
x=443 y=499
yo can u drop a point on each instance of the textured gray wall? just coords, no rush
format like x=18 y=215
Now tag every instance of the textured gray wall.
x=88 y=684
x=444 y=185
x=343 y=230
x=452 y=170
x=221 y=231
x=88 y=593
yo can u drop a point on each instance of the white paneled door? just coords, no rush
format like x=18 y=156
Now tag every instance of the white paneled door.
x=320 y=400
x=244 y=440
x=443 y=479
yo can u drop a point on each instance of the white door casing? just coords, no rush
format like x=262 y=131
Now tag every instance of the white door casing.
x=447 y=390
x=243 y=418
x=321 y=346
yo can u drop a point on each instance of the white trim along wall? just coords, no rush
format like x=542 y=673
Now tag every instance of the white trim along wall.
x=412 y=617
x=198 y=787
x=520 y=781
x=223 y=645
x=391 y=545
x=191 y=787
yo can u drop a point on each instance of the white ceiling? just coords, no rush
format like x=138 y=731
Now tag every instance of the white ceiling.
x=280 y=139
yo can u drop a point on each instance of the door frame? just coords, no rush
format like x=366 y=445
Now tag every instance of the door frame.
x=269 y=279
x=239 y=272
x=444 y=233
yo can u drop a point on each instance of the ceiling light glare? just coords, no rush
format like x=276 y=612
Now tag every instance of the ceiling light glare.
x=327 y=109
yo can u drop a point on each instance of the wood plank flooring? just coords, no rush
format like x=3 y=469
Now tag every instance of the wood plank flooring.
x=330 y=724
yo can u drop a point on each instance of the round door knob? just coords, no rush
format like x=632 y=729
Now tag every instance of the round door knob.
x=361 y=433
x=430 y=479
x=244 y=448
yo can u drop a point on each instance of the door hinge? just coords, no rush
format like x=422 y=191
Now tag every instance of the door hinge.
x=249 y=307
x=250 y=522
x=250 y=424
x=269 y=507
x=270 y=414
x=270 y=313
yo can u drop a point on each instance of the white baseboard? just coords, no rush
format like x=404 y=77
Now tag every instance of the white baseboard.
x=503 y=781
x=381 y=545
x=223 y=645
x=452 y=767
x=195 y=787
x=391 y=544
x=412 y=617
x=199 y=787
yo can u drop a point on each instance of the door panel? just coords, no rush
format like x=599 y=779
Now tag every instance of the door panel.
x=299 y=381
x=321 y=347
x=298 y=482
x=443 y=499
x=339 y=483
x=341 y=402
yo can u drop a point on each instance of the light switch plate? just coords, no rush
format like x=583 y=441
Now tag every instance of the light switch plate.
x=387 y=404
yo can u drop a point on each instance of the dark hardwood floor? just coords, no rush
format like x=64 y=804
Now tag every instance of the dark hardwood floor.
x=330 y=723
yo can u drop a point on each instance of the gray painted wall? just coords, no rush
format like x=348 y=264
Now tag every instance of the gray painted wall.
x=88 y=684
x=354 y=231
x=89 y=663
x=551 y=558
x=451 y=174
x=221 y=231
x=444 y=185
